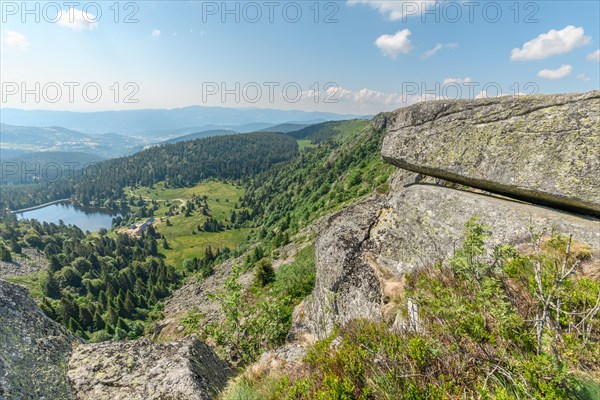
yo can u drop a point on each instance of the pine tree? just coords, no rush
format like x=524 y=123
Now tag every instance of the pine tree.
x=74 y=326
x=122 y=325
x=85 y=319
x=5 y=254
x=264 y=273
x=49 y=285
x=15 y=245
x=129 y=304
x=111 y=317
x=98 y=324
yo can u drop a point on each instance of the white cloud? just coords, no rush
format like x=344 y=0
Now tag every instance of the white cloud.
x=370 y=100
x=367 y=96
x=15 y=40
x=594 y=56
x=394 y=45
x=583 y=77
x=396 y=9
x=558 y=73
x=551 y=43
x=77 y=19
x=459 y=81
x=431 y=52
x=155 y=33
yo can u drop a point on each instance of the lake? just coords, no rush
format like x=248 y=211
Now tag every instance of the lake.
x=87 y=219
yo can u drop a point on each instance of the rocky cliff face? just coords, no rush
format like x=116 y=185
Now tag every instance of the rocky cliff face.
x=34 y=350
x=40 y=360
x=541 y=148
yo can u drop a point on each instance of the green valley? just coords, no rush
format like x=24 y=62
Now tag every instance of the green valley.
x=185 y=240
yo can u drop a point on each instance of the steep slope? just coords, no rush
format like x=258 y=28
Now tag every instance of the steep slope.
x=34 y=350
x=403 y=308
x=290 y=200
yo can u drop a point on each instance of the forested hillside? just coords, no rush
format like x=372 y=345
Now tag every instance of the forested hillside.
x=343 y=167
x=100 y=286
x=110 y=285
x=180 y=164
x=31 y=167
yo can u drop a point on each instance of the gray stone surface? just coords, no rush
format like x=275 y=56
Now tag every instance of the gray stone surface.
x=29 y=262
x=543 y=149
x=34 y=350
x=363 y=252
x=146 y=370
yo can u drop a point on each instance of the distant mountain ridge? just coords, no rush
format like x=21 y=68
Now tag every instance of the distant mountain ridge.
x=198 y=135
x=59 y=139
x=136 y=122
x=280 y=128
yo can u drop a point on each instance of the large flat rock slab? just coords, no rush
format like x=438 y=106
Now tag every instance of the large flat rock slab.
x=542 y=149
x=146 y=370
x=364 y=250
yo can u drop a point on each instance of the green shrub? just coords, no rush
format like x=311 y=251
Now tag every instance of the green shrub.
x=260 y=319
x=479 y=335
x=263 y=273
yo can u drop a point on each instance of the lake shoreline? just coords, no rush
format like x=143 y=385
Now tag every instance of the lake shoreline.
x=70 y=213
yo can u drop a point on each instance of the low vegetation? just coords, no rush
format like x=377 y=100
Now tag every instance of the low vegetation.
x=256 y=190
x=98 y=286
x=260 y=318
x=507 y=325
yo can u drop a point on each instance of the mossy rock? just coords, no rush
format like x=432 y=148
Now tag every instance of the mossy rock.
x=542 y=149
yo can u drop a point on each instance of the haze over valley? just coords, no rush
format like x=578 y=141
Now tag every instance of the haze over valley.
x=347 y=199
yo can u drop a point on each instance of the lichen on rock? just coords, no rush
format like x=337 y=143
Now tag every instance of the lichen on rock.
x=146 y=370
x=34 y=350
x=542 y=149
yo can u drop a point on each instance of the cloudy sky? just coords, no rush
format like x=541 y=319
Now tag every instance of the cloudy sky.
x=354 y=56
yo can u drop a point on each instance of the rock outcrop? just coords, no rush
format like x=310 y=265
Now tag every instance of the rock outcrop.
x=542 y=149
x=29 y=262
x=34 y=350
x=363 y=253
x=146 y=370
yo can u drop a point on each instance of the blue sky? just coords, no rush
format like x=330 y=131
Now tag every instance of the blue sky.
x=376 y=55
